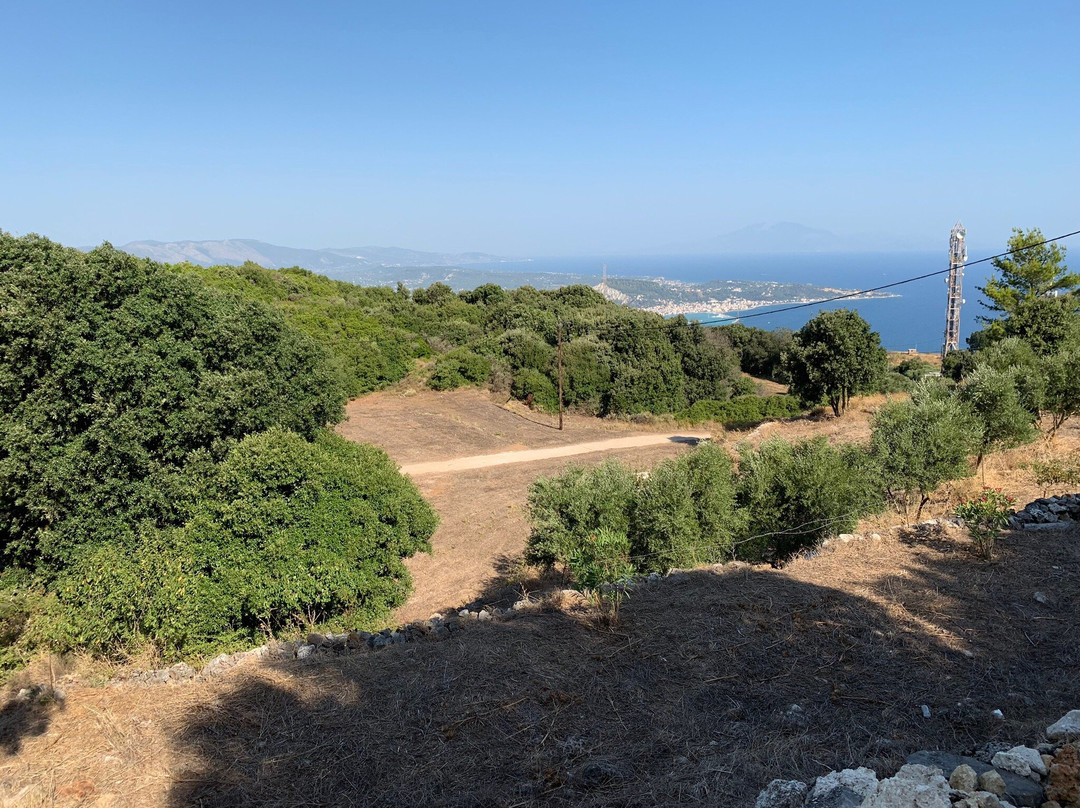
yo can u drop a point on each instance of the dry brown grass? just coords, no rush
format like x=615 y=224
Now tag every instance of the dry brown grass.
x=684 y=702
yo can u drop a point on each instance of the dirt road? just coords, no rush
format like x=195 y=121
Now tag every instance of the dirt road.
x=533 y=455
x=474 y=459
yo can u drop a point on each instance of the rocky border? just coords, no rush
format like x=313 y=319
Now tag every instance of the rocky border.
x=995 y=776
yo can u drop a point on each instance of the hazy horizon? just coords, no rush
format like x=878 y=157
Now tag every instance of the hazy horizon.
x=554 y=130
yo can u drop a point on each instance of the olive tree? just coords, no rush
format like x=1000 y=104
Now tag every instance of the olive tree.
x=921 y=443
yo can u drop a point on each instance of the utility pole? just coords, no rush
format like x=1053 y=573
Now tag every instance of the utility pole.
x=559 y=341
x=957 y=258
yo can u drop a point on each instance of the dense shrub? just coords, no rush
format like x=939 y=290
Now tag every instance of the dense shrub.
x=683 y=512
x=603 y=558
x=797 y=493
x=921 y=443
x=459 y=368
x=915 y=368
x=891 y=382
x=566 y=509
x=529 y=382
x=741 y=412
x=114 y=375
x=832 y=357
x=285 y=531
x=992 y=395
x=760 y=352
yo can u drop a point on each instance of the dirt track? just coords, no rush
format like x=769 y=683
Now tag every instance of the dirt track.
x=474 y=461
x=532 y=455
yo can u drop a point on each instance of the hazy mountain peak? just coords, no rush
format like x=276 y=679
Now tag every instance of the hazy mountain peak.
x=273 y=256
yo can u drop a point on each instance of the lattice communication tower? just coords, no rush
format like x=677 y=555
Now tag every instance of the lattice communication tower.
x=957 y=258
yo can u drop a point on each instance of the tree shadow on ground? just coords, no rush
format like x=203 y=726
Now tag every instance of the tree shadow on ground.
x=20 y=719
x=711 y=684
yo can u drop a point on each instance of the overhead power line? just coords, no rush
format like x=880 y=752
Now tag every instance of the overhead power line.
x=724 y=319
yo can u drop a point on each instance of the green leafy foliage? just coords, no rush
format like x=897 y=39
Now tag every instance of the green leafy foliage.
x=921 y=443
x=915 y=368
x=603 y=558
x=993 y=397
x=115 y=376
x=165 y=472
x=1034 y=293
x=794 y=494
x=834 y=356
x=565 y=510
x=286 y=530
x=760 y=352
x=459 y=368
x=684 y=513
x=984 y=517
x=533 y=386
x=742 y=412
x=1061 y=394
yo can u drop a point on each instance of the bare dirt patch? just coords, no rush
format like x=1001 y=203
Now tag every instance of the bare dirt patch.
x=424 y=425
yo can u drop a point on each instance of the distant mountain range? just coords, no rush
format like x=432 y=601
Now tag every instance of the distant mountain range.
x=331 y=260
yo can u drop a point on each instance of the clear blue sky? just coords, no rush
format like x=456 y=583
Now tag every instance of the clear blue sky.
x=537 y=128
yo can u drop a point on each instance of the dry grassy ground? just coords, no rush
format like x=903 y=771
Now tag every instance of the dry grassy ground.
x=685 y=701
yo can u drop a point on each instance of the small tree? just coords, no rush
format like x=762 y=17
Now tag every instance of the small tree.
x=1062 y=392
x=993 y=397
x=920 y=444
x=834 y=356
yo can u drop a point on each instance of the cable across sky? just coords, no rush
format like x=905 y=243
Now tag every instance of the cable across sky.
x=847 y=295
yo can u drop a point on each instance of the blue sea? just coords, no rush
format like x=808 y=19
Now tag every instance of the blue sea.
x=913 y=319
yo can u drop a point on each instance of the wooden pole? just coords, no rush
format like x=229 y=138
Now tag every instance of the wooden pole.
x=559 y=340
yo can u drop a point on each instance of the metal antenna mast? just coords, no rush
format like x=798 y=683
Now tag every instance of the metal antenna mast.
x=957 y=257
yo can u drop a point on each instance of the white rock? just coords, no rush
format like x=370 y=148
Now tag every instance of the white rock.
x=1008 y=762
x=862 y=781
x=1000 y=716
x=1031 y=757
x=1067 y=725
x=914 y=786
x=305 y=652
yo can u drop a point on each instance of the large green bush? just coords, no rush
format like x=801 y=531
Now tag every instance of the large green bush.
x=683 y=512
x=741 y=412
x=114 y=375
x=459 y=368
x=565 y=509
x=286 y=531
x=795 y=494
